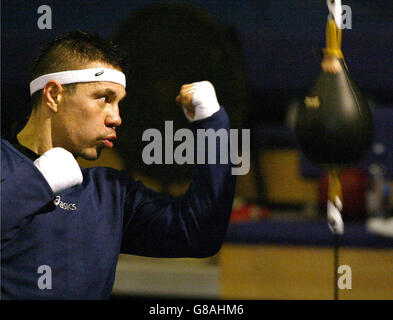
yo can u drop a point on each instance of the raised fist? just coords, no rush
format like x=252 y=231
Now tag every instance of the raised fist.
x=198 y=100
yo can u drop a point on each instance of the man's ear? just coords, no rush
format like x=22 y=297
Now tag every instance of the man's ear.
x=53 y=94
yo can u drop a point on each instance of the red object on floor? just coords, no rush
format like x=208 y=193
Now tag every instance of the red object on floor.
x=249 y=212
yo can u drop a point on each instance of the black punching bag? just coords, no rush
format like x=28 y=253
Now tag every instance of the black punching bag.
x=334 y=124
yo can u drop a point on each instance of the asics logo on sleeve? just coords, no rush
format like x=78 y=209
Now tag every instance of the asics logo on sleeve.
x=64 y=205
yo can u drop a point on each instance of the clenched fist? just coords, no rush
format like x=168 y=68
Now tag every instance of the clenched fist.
x=198 y=100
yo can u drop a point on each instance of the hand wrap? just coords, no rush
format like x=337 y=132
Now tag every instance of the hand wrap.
x=204 y=101
x=60 y=169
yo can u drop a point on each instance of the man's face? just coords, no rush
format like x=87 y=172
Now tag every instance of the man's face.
x=86 y=120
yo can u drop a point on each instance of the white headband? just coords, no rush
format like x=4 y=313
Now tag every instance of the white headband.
x=74 y=76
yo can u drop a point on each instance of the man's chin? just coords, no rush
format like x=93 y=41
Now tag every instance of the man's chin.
x=91 y=155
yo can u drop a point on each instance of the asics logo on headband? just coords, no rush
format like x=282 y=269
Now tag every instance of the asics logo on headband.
x=75 y=76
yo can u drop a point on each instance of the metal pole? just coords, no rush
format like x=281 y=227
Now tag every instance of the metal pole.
x=336 y=247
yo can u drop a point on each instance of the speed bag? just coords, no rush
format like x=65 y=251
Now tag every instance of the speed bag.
x=333 y=125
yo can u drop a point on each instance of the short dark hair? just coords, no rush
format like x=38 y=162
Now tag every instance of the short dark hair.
x=72 y=51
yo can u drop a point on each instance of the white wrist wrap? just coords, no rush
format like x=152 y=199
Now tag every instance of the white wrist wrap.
x=60 y=169
x=204 y=101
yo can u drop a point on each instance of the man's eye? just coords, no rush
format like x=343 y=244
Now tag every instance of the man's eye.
x=104 y=99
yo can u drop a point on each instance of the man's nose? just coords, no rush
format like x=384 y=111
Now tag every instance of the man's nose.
x=113 y=118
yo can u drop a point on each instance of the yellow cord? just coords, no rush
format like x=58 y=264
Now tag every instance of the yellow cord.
x=333 y=50
x=333 y=40
x=334 y=186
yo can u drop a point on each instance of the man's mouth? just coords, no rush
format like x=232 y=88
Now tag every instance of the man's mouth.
x=108 y=142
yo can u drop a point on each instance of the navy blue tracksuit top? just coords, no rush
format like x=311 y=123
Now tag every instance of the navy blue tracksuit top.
x=80 y=232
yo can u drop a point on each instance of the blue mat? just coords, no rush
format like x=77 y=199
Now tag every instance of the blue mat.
x=312 y=233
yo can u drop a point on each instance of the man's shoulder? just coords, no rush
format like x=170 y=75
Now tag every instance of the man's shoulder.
x=8 y=151
x=11 y=159
x=105 y=175
x=5 y=143
x=106 y=181
x=100 y=170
